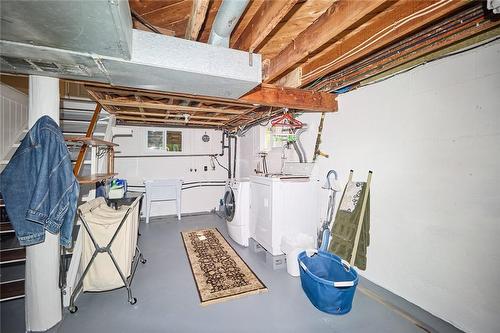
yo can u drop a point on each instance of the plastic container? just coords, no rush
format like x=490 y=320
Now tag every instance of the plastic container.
x=328 y=281
x=292 y=245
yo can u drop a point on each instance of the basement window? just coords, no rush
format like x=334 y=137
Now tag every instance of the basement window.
x=156 y=140
x=174 y=141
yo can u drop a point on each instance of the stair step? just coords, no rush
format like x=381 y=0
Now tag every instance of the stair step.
x=11 y=290
x=6 y=227
x=12 y=255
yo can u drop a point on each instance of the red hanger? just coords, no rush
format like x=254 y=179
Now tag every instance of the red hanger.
x=286 y=120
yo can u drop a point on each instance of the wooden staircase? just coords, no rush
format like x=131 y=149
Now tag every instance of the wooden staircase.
x=12 y=260
x=74 y=119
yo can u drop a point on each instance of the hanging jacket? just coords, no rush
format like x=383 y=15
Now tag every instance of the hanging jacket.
x=38 y=186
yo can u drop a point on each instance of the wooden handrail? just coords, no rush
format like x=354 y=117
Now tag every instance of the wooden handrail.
x=90 y=132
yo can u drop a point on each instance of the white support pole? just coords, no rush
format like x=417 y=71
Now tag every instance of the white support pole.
x=43 y=296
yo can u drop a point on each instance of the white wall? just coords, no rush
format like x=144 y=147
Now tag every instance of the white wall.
x=432 y=138
x=137 y=169
x=13 y=117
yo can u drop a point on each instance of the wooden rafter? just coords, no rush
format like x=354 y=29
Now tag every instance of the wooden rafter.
x=402 y=18
x=198 y=14
x=163 y=106
x=262 y=23
x=170 y=115
x=146 y=107
x=340 y=16
x=171 y=121
x=308 y=100
x=439 y=36
x=247 y=16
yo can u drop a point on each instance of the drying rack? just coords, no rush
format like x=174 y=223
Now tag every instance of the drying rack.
x=107 y=249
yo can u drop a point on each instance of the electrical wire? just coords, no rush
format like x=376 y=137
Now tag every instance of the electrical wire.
x=432 y=60
x=460 y=18
x=373 y=39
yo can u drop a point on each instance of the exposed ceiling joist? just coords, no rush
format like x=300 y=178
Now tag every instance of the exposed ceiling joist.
x=397 y=21
x=198 y=14
x=301 y=99
x=340 y=16
x=163 y=106
x=167 y=115
x=139 y=106
x=247 y=16
x=170 y=121
x=443 y=34
x=262 y=23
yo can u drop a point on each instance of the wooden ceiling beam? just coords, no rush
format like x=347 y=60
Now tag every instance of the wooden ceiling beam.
x=169 y=121
x=340 y=16
x=418 y=52
x=247 y=16
x=104 y=89
x=162 y=106
x=269 y=14
x=401 y=19
x=198 y=15
x=307 y=100
x=170 y=115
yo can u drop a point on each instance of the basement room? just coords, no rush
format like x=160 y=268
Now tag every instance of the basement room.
x=250 y=166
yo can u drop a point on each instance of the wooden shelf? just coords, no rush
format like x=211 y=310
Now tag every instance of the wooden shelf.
x=91 y=141
x=95 y=178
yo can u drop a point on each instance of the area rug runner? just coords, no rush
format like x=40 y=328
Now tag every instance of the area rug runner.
x=219 y=272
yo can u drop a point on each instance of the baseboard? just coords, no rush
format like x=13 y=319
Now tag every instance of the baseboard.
x=412 y=312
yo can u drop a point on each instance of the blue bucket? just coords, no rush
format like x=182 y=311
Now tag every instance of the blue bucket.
x=328 y=281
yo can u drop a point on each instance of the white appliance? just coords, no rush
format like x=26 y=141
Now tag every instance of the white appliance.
x=282 y=207
x=236 y=209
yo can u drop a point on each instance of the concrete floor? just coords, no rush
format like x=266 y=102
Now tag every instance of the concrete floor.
x=168 y=300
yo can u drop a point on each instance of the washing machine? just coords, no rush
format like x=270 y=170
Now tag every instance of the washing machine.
x=237 y=210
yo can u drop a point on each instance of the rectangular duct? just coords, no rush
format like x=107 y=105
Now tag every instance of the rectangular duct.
x=75 y=48
x=103 y=27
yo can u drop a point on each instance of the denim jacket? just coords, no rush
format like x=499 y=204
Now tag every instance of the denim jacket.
x=38 y=186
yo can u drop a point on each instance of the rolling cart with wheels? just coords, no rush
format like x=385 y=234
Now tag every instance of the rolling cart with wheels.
x=96 y=216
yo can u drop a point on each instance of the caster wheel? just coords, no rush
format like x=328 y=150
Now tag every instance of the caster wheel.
x=144 y=261
x=73 y=309
x=133 y=301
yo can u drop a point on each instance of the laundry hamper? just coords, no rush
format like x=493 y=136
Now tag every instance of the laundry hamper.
x=104 y=222
x=328 y=281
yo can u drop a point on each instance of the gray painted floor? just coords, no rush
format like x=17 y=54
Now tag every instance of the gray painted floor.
x=168 y=300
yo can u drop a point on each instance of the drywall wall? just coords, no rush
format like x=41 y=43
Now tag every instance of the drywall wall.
x=146 y=163
x=13 y=117
x=432 y=138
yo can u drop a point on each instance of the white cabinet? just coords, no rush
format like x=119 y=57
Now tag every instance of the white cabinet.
x=282 y=207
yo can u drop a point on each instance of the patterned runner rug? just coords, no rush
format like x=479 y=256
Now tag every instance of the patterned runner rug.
x=219 y=272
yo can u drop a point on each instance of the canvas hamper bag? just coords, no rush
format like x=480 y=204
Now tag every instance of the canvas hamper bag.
x=328 y=281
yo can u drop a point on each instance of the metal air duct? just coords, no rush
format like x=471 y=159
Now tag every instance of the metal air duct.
x=226 y=19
